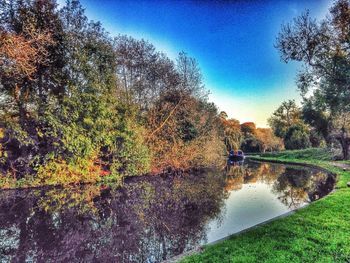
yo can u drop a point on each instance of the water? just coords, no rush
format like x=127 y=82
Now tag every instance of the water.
x=150 y=218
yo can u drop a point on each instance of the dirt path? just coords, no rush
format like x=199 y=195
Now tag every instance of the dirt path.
x=341 y=165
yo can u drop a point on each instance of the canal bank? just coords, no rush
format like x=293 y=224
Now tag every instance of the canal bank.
x=317 y=233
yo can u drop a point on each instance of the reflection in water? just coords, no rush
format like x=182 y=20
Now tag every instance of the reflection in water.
x=149 y=218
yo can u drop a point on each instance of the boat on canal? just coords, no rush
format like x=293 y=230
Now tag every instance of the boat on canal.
x=236 y=155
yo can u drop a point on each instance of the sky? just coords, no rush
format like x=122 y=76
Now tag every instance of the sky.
x=233 y=42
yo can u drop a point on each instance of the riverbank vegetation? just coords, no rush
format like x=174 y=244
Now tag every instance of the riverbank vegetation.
x=77 y=104
x=317 y=233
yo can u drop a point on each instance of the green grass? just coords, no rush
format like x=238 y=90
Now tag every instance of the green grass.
x=307 y=154
x=318 y=233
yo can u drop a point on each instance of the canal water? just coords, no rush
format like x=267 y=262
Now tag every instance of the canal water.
x=152 y=218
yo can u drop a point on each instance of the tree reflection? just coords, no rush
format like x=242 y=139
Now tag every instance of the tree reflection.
x=293 y=185
x=146 y=220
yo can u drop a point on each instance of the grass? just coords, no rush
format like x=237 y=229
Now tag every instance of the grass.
x=318 y=233
x=322 y=154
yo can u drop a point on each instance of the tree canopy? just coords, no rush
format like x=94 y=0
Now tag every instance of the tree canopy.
x=323 y=48
x=77 y=104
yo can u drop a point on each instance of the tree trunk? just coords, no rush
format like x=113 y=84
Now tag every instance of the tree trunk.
x=345 y=145
x=345 y=149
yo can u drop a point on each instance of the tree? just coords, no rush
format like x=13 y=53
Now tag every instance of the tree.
x=232 y=135
x=268 y=141
x=341 y=130
x=31 y=74
x=316 y=116
x=223 y=115
x=248 y=128
x=180 y=121
x=143 y=72
x=77 y=104
x=297 y=137
x=190 y=76
x=323 y=48
x=284 y=117
x=59 y=112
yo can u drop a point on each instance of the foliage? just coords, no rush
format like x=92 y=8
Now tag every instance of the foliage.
x=323 y=48
x=231 y=133
x=287 y=124
x=261 y=140
x=341 y=130
x=77 y=104
x=64 y=114
x=286 y=115
x=269 y=142
x=248 y=128
x=316 y=116
x=297 y=137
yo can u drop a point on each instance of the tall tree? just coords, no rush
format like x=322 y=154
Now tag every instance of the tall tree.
x=287 y=114
x=323 y=48
x=143 y=72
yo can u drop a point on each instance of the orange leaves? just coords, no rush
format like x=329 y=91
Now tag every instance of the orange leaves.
x=248 y=127
x=20 y=53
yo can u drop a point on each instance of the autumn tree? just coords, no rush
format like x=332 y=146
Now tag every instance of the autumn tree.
x=232 y=134
x=181 y=121
x=31 y=63
x=268 y=141
x=248 y=128
x=77 y=104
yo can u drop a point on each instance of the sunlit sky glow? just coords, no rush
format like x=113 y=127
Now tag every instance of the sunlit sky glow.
x=231 y=40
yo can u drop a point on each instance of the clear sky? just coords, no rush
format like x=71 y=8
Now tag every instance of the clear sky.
x=231 y=40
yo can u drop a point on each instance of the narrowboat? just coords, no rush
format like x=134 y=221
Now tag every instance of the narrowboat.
x=236 y=155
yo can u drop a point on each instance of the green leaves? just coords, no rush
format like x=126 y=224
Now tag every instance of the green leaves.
x=93 y=104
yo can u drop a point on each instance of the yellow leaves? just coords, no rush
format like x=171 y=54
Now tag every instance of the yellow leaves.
x=269 y=140
x=7 y=181
x=88 y=121
x=59 y=172
x=39 y=133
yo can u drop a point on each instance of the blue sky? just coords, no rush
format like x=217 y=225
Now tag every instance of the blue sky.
x=231 y=40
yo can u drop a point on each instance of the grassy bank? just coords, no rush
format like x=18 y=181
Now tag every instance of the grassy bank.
x=317 y=233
